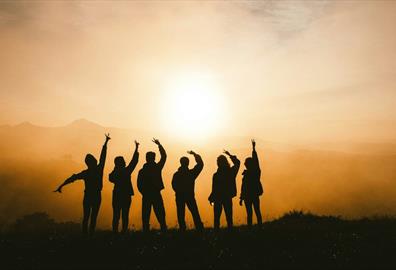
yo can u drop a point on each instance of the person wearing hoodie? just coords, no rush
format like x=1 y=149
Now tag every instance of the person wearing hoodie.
x=224 y=188
x=252 y=189
x=183 y=183
x=150 y=185
x=123 y=190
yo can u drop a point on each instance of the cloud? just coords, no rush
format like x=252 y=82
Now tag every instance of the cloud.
x=287 y=17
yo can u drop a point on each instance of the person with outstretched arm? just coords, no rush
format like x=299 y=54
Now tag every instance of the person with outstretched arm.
x=123 y=189
x=93 y=180
x=183 y=183
x=150 y=185
x=224 y=188
x=251 y=188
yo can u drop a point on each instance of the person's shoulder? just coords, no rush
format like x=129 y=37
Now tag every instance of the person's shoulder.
x=141 y=170
x=158 y=166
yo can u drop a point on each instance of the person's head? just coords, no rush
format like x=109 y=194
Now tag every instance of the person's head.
x=150 y=157
x=119 y=162
x=184 y=162
x=222 y=162
x=91 y=161
x=248 y=163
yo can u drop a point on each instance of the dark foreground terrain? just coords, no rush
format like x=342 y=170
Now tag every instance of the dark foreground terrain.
x=296 y=240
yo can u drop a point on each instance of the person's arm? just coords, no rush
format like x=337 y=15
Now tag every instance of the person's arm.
x=70 y=180
x=255 y=156
x=174 y=182
x=140 y=182
x=104 y=152
x=112 y=177
x=134 y=161
x=211 y=197
x=235 y=161
x=161 y=163
x=243 y=192
x=199 y=166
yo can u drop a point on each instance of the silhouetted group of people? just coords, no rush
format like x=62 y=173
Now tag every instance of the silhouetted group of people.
x=150 y=184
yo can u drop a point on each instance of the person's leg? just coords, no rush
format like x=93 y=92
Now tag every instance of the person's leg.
x=86 y=214
x=217 y=208
x=125 y=213
x=159 y=210
x=116 y=212
x=192 y=205
x=228 y=212
x=248 y=205
x=256 y=205
x=180 y=207
x=97 y=199
x=146 y=211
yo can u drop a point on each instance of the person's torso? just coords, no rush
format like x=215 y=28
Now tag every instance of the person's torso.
x=122 y=183
x=225 y=184
x=184 y=183
x=151 y=178
x=93 y=180
x=251 y=181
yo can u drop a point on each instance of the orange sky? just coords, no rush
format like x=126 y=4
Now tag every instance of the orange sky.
x=321 y=69
x=202 y=75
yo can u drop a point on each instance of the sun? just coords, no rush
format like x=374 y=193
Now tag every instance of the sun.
x=194 y=107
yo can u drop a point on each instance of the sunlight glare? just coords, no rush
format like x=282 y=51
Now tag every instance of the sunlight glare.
x=194 y=107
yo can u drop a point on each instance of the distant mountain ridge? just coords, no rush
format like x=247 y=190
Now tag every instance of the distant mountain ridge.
x=28 y=134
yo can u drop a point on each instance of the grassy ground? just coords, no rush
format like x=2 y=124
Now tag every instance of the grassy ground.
x=296 y=240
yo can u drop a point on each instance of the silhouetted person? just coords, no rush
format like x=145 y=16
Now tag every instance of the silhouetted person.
x=251 y=187
x=150 y=185
x=183 y=184
x=123 y=190
x=93 y=180
x=224 y=188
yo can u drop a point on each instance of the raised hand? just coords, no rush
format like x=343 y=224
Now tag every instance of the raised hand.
x=191 y=152
x=156 y=141
x=137 y=144
x=107 y=137
x=226 y=152
x=253 y=143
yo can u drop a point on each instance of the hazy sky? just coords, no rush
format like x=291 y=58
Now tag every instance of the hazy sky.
x=281 y=70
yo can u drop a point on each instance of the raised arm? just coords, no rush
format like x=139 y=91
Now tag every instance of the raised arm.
x=104 y=152
x=70 y=180
x=235 y=161
x=199 y=166
x=255 y=156
x=161 y=163
x=132 y=164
